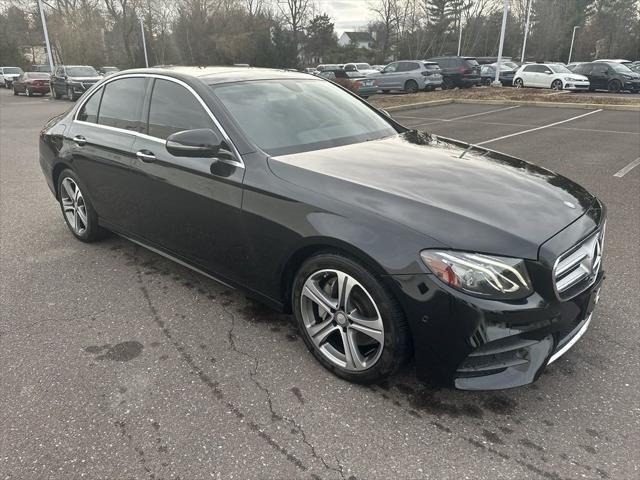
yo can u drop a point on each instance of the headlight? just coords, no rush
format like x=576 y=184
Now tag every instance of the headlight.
x=481 y=275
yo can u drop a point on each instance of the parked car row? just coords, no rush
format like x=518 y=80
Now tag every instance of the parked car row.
x=66 y=80
x=611 y=76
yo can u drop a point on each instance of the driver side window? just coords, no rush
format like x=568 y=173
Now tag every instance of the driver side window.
x=393 y=67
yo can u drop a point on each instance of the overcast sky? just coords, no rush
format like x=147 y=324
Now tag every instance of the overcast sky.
x=346 y=14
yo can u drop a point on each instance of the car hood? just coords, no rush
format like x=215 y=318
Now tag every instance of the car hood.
x=484 y=202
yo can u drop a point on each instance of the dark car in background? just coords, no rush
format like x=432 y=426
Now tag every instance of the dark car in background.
x=611 y=76
x=73 y=80
x=461 y=72
x=488 y=74
x=32 y=83
x=105 y=71
x=383 y=242
x=408 y=76
x=40 y=68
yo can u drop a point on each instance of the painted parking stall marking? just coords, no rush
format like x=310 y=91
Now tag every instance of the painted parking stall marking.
x=539 y=128
x=623 y=171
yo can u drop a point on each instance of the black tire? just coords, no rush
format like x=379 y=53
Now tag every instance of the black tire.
x=614 y=86
x=93 y=231
x=70 y=95
x=396 y=347
x=556 y=85
x=411 y=86
x=518 y=83
x=15 y=92
x=54 y=93
x=29 y=92
x=448 y=84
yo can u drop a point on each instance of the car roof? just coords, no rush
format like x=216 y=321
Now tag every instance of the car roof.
x=215 y=75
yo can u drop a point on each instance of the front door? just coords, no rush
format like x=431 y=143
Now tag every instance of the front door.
x=188 y=206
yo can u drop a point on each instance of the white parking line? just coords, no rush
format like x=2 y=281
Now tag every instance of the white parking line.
x=623 y=171
x=467 y=116
x=538 y=128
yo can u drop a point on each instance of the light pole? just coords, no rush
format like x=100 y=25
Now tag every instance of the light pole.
x=526 y=31
x=460 y=34
x=573 y=37
x=505 y=12
x=46 y=35
x=144 y=44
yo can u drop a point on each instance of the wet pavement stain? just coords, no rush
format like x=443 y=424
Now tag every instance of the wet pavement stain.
x=120 y=352
x=296 y=391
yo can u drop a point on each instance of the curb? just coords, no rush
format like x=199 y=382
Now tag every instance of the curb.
x=446 y=101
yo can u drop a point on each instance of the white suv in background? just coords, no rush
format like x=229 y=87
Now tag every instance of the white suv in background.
x=8 y=75
x=549 y=75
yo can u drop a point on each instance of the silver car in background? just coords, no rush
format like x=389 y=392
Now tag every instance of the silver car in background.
x=409 y=76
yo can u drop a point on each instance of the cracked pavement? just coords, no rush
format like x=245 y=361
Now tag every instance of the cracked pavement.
x=119 y=364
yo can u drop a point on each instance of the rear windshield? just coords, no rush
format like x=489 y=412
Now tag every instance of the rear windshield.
x=291 y=116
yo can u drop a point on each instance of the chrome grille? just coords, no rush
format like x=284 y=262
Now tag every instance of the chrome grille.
x=577 y=269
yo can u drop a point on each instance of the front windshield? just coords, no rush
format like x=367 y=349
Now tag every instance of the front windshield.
x=503 y=67
x=557 y=68
x=291 y=116
x=620 y=68
x=12 y=70
x=511 y=65
x=81 y=72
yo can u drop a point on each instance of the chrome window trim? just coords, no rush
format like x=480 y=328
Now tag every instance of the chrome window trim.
x=238 y=163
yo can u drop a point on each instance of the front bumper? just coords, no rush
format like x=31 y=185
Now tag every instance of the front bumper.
x=632 y=86
x=577 y=86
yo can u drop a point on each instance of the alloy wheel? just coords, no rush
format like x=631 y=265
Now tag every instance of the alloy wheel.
x=74 y=206
x=342 y=320
x=519 y=83
x=557 y=85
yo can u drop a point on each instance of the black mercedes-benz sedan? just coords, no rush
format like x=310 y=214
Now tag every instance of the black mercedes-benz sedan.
x=383 y=242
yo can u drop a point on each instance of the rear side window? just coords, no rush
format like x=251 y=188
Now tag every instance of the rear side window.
x=122 y=103
x=431 y=66
x=410 y=66
x=174 y=109
x=89 y=111
x=472 y=62
x=533 y=69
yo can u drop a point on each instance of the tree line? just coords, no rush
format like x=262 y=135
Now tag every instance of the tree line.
x=296 y=33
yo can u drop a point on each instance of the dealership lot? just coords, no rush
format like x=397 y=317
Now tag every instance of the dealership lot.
x=120 y=364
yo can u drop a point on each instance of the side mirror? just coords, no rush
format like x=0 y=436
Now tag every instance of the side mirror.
x=202 y=143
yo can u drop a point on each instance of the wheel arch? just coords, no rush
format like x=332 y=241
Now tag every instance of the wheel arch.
x=315 y=246
x=55 y=175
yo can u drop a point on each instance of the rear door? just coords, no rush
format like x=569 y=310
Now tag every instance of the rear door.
x=100 y=140
x=188 y=206
x=600 y=75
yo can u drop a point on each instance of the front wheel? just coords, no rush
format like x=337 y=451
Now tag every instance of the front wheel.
x=556 y=85
x=29 y=92
x=348 y=319
x=614 y=86
x=15 y=92
x=77 y=209
x=518 y=83
x=411 y=86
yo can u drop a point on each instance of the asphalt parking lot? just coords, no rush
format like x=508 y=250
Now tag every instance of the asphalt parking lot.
x=119 y=364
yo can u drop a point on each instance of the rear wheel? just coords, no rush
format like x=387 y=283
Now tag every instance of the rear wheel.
x=411 y=86
x=348 y=319
x=614 y=86
x=556 y=85
x=77 y=209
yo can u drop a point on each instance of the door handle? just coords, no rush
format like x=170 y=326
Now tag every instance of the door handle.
x=146 y=156
x=79 y=140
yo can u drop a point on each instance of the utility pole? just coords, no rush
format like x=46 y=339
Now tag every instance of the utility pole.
x=526 y=31
x=144 y=44
x=573 y=37
x=46 y=35
x=460 y=33
x=505 y=12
